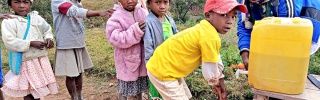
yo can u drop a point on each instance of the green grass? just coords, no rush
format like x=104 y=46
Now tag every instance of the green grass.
x=314 y=65
x=97 y=5
x=101 y=53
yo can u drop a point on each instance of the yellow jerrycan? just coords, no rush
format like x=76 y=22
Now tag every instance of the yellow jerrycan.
x=279 y=54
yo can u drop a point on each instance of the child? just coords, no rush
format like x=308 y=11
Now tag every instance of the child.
x=125 y=30
x=159 y=27
x=36 y=78
x=182 y=53
x=72 y=57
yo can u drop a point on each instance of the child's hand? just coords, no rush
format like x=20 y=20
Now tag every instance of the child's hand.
x=142 y=25
x=108 y=12
x=245 y=59
x=49 y=43
x=4 y=16
x=214 y=81
x=38 y=44
x=220 y=89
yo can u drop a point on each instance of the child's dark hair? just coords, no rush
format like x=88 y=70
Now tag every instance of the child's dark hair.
x=9 y=2
x=148 y=1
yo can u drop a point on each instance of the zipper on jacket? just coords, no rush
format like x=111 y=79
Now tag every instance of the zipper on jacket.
x=133 y=15
x=134 y=18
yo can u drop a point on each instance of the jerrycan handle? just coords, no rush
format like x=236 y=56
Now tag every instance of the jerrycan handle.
x=295 y=20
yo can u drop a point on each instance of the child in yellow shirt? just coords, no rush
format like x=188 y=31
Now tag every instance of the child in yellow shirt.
x=182 y=53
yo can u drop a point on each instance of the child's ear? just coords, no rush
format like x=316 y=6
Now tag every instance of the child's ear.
x=207 y=15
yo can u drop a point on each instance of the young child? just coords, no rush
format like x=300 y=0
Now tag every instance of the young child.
x=159 y=27
x=182 y=53
x=72 y=57
x=36 y=78
x=125 y=30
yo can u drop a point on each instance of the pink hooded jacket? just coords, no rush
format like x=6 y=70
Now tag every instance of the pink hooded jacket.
x=124 y=34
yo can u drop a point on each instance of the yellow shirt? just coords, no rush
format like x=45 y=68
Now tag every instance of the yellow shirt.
x=182 y=53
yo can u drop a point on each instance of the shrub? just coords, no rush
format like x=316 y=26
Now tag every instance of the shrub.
x=180 y=9
x=314 y=65
x=44 y=9
x=199 y=87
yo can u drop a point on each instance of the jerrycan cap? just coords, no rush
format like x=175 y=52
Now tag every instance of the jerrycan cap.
x=296 y=20
x=257 y=22
x=276 y=20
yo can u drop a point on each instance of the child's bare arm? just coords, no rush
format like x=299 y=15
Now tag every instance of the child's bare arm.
x=92 y=13
x=220 y=90
x=5 y=16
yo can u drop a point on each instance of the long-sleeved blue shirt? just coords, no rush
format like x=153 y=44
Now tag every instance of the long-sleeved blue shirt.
x=286 y=8
x=153 y=35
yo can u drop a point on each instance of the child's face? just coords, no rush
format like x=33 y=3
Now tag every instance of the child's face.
x=222 y=22
x=128 y=4
x=21 y=7
x=159 y=7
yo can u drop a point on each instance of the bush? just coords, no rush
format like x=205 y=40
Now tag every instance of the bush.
x=44 y=9
x=237 y=89
x=4 y=8
x=180 y=9
x=199 y=87
x=314 y=65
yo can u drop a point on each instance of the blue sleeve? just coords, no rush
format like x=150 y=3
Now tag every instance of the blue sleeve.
x=311 y=3
x=243 y=35
x=1 y=75
x=148 y=42
x=316 y=29
x=316 y=24
x=313 y=16
x=289 y=8
x=174 y=26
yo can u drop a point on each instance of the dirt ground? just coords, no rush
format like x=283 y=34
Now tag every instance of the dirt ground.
x=93 y=89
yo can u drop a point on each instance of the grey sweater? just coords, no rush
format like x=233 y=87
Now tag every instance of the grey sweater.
x=69 y=27
x=153 y=35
